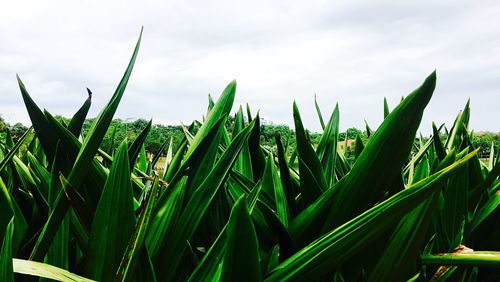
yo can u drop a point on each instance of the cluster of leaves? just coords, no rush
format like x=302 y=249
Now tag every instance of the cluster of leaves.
x=227 y=208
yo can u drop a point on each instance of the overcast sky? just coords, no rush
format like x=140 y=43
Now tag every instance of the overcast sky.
x=351 y=52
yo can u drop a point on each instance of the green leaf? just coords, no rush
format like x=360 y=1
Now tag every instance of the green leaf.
x=76 y=123
x=137 y=148
x=8 y=209
x=221 y=109
x=312 y=177
x=379 y=164
x=327 y=147
x=114 y=221
x=98 y=130
x=241 y=258
x=318 y=111
x=6 y=269
x=286 y=181
x=209 y=268
x=196 y=207
x=327 y=253
x=397 y=262
x=455 y=207
x=437 y=143
x=46 y=270
x=386 y=108
x=57 y=253
x=13 y=151
x=369 y=131
x=374 y=171
x=358 y=146
x=175 y=163
x=39 y=122
x=170 y=203
x=458 y=129
x=256 y=153
x=85 y=158
x=477 y=258
x=244 y=162
x=41 y=173
x=136 y=244
x=271 y=183
x=488 y=208
x=143 y=162
x=81 y=208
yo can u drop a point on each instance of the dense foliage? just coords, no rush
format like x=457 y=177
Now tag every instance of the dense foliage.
x=229 y=207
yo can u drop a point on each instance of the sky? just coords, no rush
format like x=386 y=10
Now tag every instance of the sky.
x=353 y=53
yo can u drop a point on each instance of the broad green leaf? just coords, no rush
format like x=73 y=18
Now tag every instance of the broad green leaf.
x=197 y=206
x=398 y=261
x=76 y=123
x=210 y=266
x=369 y=131
x=136 y=244
x=143 y=161
x=175 y=163
x=244 y=162
x=98 y=130
x=113 y=222
x=256 y=153
x=8 y=209
x=459 y=128
x=6 y=269
x=203 y=161
x=85 y=158
x=57 y=254
x=437 y=143
x=358 y=146
x=46 y=271
x=375 y=169
x=455 y=207
x=221 y=109
x=8 y=157
x=159 y=153
x=286 y=181
x=39 y=122
x=241 y=258
x=249 y=114
x=112 y=141
x=422 y=151
x=137 y=148
x=84 y=213
x=169 y=206
x=327 y=147
x=271 y=183
x=166 y=214
x=312 y=177
x=41 y=172
x=489 y=208
x=327 y=253
x=271 y=225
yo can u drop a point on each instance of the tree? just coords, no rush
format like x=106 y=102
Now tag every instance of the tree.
x=3 y=124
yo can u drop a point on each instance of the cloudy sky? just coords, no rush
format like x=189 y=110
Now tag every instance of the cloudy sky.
x=351 y=52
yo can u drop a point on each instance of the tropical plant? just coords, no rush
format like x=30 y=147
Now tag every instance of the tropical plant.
x=227 y=208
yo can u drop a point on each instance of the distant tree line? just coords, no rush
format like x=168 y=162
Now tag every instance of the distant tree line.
x=121 y=129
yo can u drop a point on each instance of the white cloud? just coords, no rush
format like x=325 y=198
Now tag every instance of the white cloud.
x=349 y=52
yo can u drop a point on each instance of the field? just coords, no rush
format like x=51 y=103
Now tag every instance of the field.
x=227 y=208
